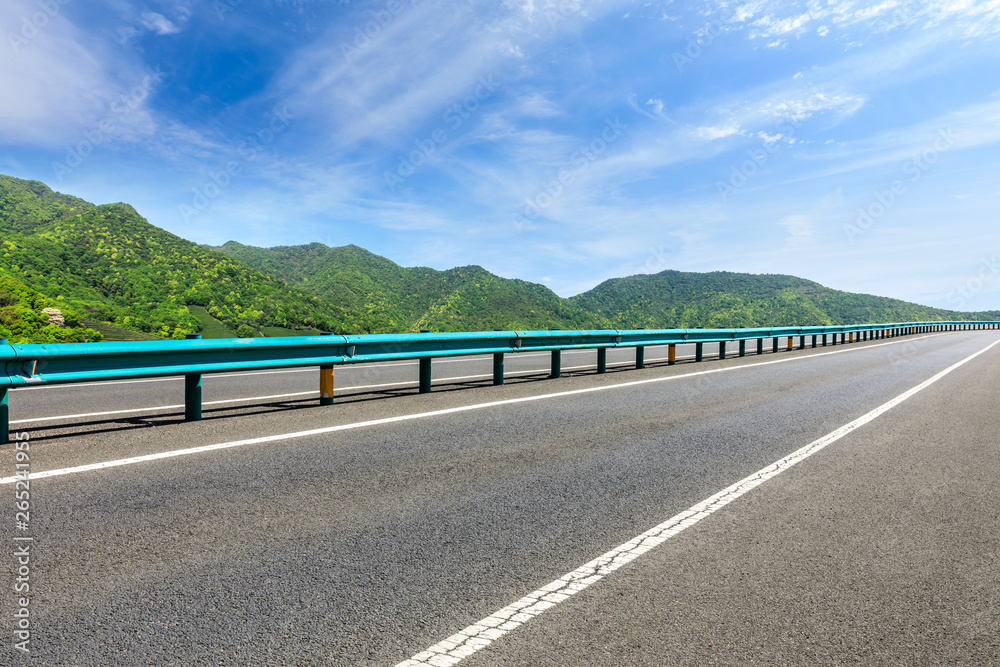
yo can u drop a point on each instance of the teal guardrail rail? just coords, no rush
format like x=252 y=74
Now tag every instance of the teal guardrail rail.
x=34 y=365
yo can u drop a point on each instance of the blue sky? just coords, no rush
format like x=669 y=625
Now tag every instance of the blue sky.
x=564 y=142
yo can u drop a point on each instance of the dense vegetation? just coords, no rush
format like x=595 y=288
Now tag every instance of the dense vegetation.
x=109 y=272
x=110 y=265
x=722 y=299
x=22 y=319
x=373 y=294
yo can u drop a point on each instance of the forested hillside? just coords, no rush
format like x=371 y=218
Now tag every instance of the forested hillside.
x=377 y=295
x=109 y=265
x=70 y=270
x=723 y=299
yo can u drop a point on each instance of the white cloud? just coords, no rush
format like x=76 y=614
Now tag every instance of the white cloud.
x=800 y=229
x=159 y=24
x=713 y=133
x=59 y=82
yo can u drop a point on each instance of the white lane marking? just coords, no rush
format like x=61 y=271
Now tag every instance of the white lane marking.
x=311 y=369
x=299 y=393
x=401 y=418
x=336 y=390
x=481 y=634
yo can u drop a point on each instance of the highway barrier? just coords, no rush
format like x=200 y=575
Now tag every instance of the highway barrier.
x=37 y=365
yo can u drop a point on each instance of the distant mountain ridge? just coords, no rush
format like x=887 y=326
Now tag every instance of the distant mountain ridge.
x=110 y=272
x=377 y=295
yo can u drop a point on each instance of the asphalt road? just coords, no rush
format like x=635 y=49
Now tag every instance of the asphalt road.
x=375 y=533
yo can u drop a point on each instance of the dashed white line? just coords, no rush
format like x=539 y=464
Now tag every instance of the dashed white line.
x=481 y=634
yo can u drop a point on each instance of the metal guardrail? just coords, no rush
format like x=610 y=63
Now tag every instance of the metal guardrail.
x=33 y=365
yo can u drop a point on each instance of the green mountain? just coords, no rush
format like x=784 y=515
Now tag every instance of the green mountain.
x=675 y=299
x=376 y=295
x=109 y=265
x=73 y=271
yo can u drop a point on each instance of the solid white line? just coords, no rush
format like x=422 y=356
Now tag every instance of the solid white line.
x=311 y=369
x=479 y=635
x=336 y=390
x=301 y=393
x=420 y=415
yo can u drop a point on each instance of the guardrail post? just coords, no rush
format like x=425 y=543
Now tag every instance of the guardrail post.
x=4 y=410
x=760 y=346
x=602 y=360
x=814 y=340
x=497 y=369
x=425 y=375
x=556 y=364
x=326 y=380
x=4 y=417
x=722 y=350
x=791 y=343
x=424 y=379
x=743 y=348
x=640 y=356
x=699 y=351
x=671 y=355
x=192 y=391
x=774 y=345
